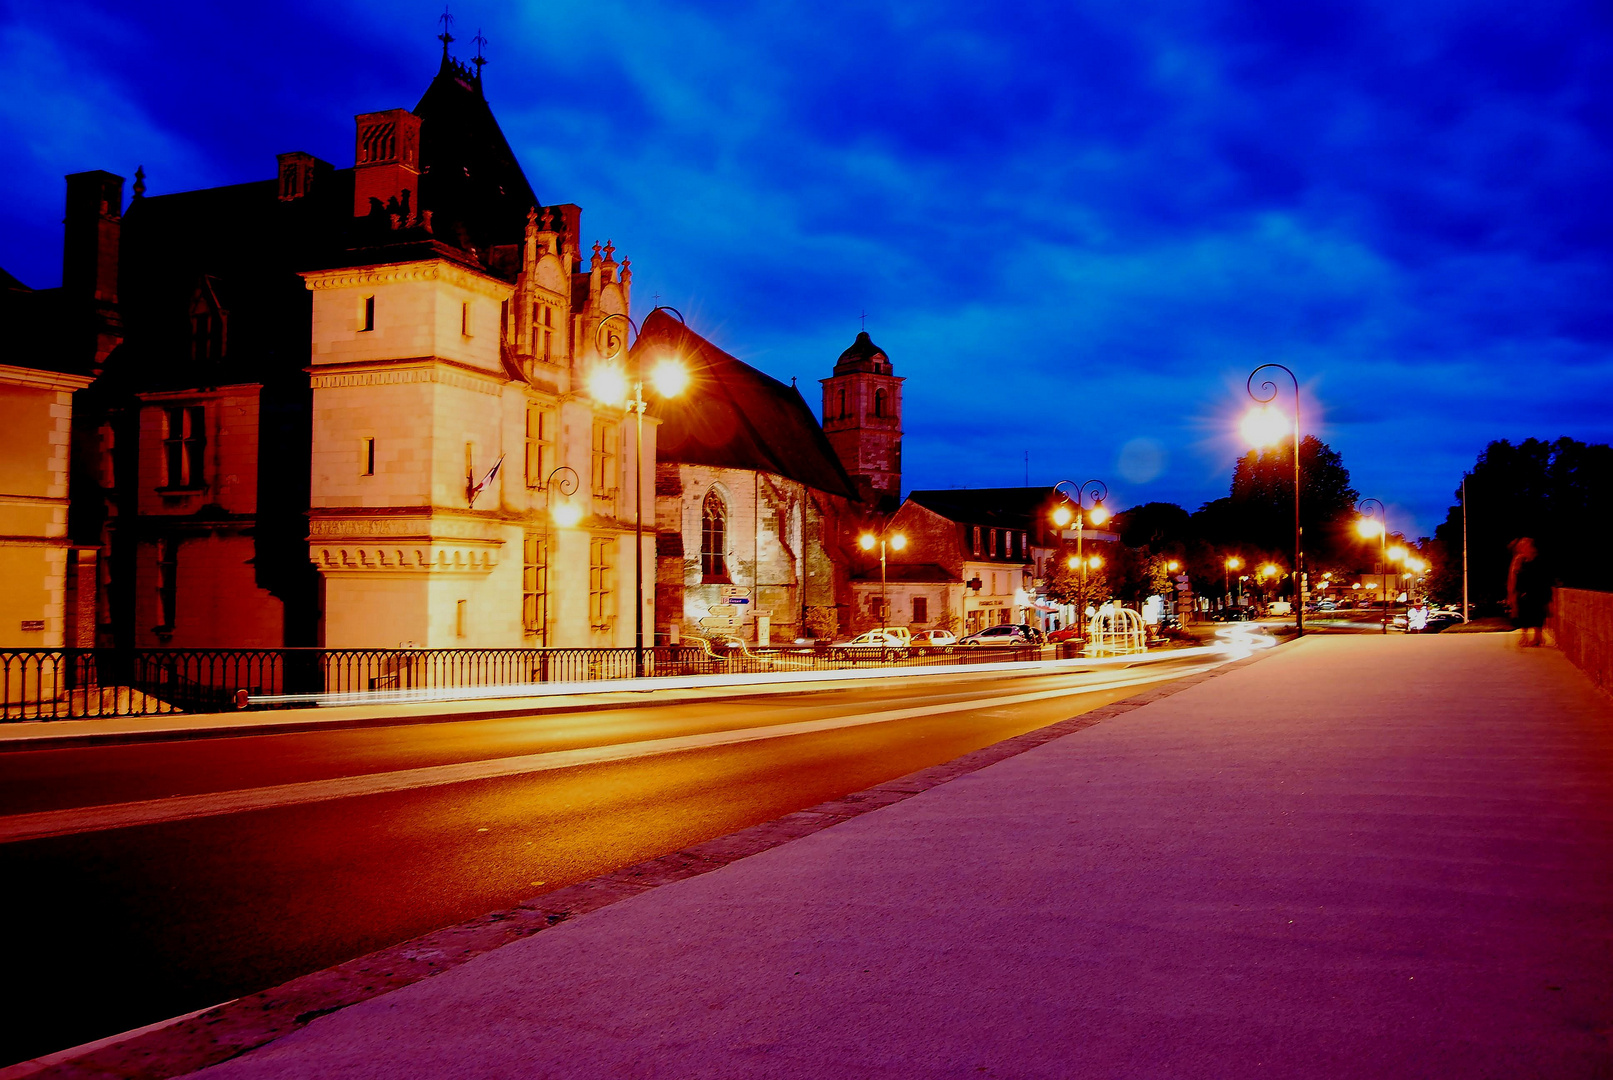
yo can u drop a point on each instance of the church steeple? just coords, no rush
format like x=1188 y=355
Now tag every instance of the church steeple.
x=862 y=416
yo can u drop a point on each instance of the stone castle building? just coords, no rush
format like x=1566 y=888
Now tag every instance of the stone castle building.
x=355 y=407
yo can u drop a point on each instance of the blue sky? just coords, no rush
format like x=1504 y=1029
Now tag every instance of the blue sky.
x=1075 y=228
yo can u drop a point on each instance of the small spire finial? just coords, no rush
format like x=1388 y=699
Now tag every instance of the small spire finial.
x=479 y=59
x=610 y=250
x=446 y=36
x=139 y=181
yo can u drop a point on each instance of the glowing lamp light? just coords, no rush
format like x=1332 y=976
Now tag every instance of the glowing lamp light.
x=866 y=541
x=566 y=514
x=1357 y=585
x=1073 y=563
x=608 y=384
x=1062 y=516
x=1095 y=562
x=1370 y=528
x=1397 y=553
x=898 y=542
x=1173 y=566
x=670 y=378
x=1098 y=514
x=1264 y=426
x=1234 y=563
x=1268 y=570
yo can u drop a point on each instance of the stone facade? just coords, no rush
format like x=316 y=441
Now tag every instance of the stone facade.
x=36 y=410
x=862 y=416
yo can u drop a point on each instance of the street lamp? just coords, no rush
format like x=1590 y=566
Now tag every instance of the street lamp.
x=609 y=384
x=1063 y=515
x=1263 y=427
x=1369 y=526
x=897 y=542
x=1232 y=563
x=563 y=479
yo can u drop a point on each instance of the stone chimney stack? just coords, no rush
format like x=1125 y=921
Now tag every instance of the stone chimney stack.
x=90 y=244
x=386 y=163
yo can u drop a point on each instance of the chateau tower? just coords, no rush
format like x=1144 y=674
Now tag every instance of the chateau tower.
x=862 y=416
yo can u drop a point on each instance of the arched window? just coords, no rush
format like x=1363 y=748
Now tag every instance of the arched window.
x=879 y=402
x=713 y=538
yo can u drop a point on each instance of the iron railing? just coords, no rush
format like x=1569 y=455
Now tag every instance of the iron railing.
x=68 y=684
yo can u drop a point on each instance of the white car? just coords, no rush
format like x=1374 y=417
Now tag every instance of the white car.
x=935 y=639
x=881 y=641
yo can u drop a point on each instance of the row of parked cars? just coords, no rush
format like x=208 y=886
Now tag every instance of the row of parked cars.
x=899 y=640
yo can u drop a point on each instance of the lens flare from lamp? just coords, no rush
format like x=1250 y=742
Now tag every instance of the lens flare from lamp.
x=566 y=514
x=898 y=542
x=867 y=541
x=608 y=384
x=1096 y=562
x=1264 y=426
x=670 y=378
x=1397 y=553
x=1073 y=563
x=1234 y=563
x=1098 y=514
x=1061 y=516
x=1370 y=528
x=1269 y=570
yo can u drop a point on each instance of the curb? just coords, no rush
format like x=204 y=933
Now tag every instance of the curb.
x=222 y=1032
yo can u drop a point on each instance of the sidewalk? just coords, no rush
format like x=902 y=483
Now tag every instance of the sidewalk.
x=1354 y=857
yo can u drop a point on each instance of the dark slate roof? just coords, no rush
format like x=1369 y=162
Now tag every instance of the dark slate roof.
x=1015 y=507
x=895 y=572
x=734 y=416
x=470 y=180
x=863 y=355
x=250 y=245
x=31 y=323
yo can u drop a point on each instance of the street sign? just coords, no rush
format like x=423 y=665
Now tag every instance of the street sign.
x=730 y=593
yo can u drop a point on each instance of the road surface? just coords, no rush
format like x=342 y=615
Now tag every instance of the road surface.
x=150 y=879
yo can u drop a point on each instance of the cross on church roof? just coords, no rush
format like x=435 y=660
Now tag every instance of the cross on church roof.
x=864 y=318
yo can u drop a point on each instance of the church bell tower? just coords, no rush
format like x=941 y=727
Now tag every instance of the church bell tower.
x=862 y=416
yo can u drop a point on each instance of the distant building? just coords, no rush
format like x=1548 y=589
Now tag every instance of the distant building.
x=974 y=558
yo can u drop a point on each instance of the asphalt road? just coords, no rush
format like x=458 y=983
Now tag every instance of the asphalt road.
x=146 y=880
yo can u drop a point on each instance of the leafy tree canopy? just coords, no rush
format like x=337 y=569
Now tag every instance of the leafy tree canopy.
x=1556 y=492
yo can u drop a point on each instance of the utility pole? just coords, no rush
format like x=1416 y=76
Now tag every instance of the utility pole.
x=1464 y=548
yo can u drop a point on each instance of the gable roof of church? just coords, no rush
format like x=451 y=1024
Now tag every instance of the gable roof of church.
x=734 y=416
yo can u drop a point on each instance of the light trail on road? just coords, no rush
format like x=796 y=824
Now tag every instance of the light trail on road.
x=133 y=923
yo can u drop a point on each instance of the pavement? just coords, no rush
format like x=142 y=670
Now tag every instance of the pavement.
x=1346 y=857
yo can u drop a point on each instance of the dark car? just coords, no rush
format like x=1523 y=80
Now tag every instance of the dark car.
x=1006 y=634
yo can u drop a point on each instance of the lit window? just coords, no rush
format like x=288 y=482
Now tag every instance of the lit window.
x=540 y=423
x=976 y=546
x=603 y=463
x=369 y=314
x=713 y=538
x=993 y=543
x=184 y=446
x=535 y=586
x=600 y=582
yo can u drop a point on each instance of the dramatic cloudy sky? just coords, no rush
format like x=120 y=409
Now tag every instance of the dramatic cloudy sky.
x=1075 y=227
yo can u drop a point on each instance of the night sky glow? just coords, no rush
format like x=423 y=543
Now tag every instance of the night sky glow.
x=1075 y=228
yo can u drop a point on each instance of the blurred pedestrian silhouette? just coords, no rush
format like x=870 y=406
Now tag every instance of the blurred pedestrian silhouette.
x=1528 y=591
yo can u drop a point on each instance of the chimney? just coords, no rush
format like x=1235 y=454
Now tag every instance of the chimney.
x=90 y=243
x=386 y=163
x=296 y=174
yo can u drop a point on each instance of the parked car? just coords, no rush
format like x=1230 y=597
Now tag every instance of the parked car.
x=1005 y=634
x=1280 y=607
x=883 y=641
x=1069 y=633
x=935 y=639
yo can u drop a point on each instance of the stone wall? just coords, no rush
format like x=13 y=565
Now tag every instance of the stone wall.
x=1583 y=623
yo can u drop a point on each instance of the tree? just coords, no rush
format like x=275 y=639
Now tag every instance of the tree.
x=1262 y=499
x=1556 y=492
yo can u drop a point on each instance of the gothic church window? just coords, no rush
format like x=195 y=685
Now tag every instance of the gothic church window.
x=713 y=538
